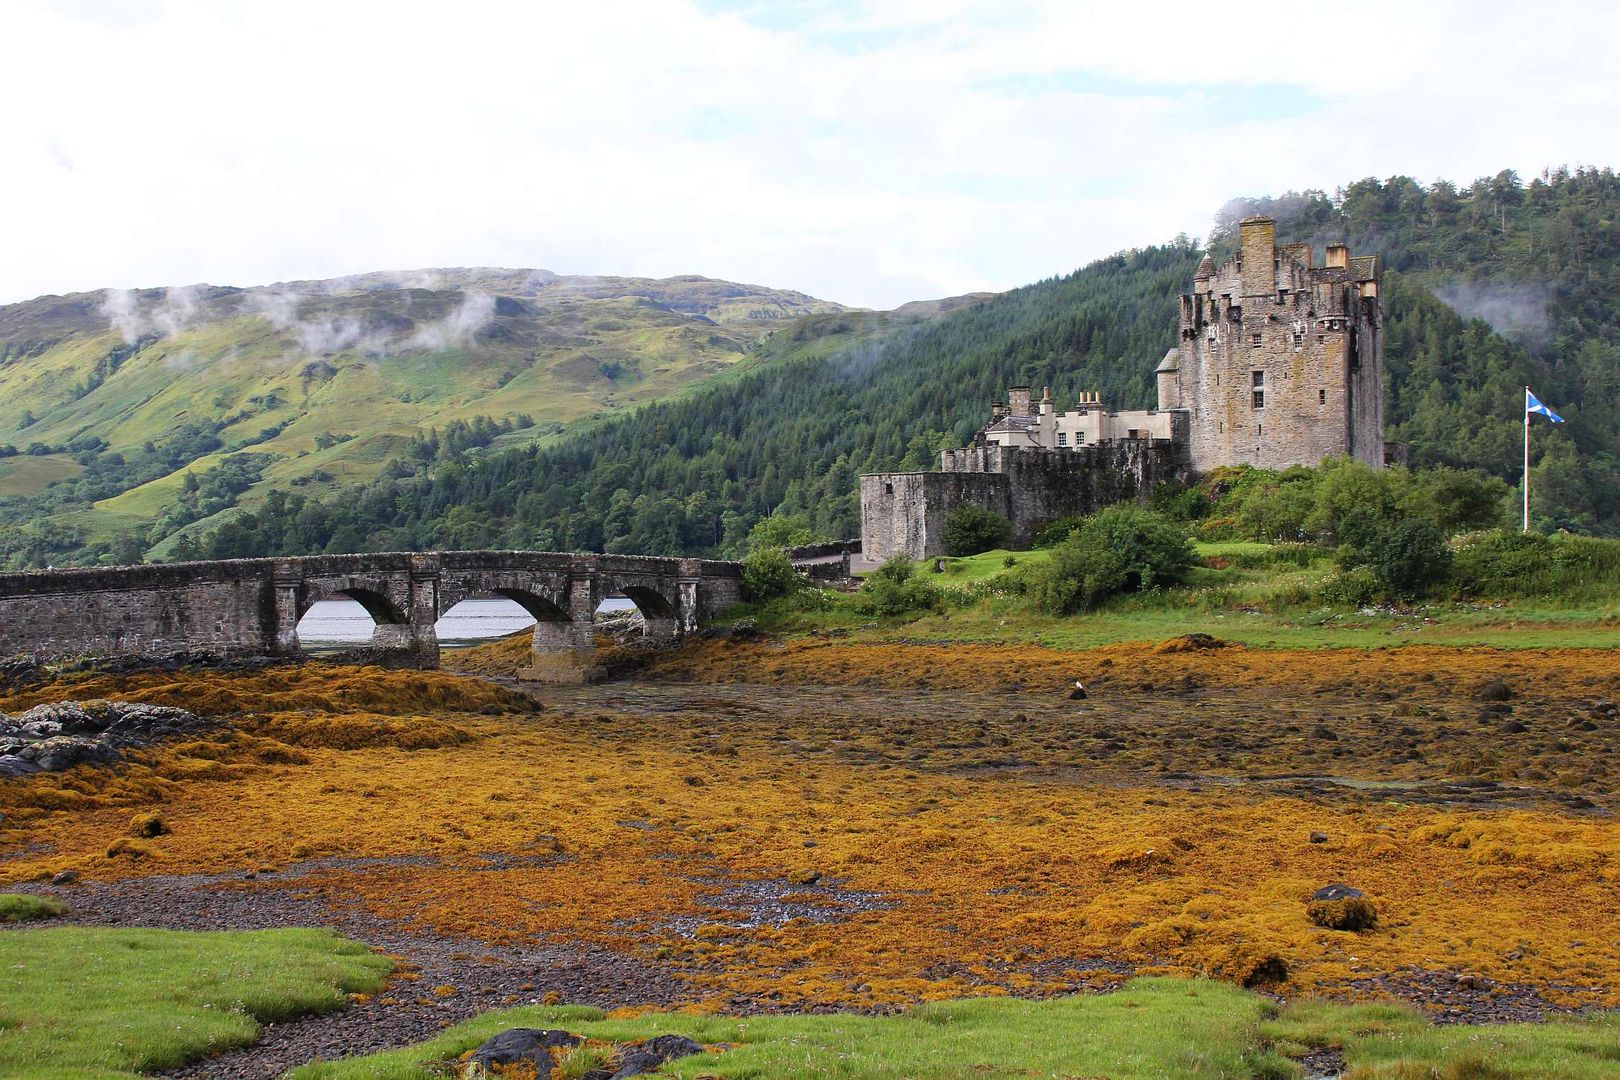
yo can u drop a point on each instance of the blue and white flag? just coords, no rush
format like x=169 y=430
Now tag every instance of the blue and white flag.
x=1532 y=404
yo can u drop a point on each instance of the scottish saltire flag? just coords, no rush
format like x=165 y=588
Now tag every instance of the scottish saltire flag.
x=1532 y=404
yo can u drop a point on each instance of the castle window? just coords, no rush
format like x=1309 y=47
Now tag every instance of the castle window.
x=1257 y=430
x=1259 y=378
x=888 y=488
x=1063 y=438
x=1259 y=399
x=1254 y=339
x=1321 y=397
x=1321 y=338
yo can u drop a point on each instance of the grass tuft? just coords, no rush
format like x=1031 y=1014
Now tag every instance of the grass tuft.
x=25 y=907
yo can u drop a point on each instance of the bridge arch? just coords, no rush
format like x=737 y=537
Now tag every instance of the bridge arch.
x=382 y=610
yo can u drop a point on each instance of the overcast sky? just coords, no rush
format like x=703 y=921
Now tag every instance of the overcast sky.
x=869 y=154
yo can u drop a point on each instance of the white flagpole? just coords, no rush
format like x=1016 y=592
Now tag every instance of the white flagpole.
x=1527 y=459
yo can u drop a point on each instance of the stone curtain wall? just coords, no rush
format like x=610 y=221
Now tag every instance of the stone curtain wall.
x=906 y=512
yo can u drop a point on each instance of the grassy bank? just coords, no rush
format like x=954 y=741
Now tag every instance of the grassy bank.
x=1152 y=1028
x=98 y=1004
x=1261 y=595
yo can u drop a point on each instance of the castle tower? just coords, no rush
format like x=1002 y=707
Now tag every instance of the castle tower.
x=1281 y=362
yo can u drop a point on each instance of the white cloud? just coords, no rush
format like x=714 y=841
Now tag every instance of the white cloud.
x=864 y=153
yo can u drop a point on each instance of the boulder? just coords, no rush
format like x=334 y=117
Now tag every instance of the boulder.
x=516 y=1045
x=635 y=1063
x=1341 y=907
x=1493 y=690
x=1190 y=643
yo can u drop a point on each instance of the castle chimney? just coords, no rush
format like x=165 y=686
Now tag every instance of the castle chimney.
x=1338 y=255
x=1046 y=400
x=1258 y=240
x=1018 y=401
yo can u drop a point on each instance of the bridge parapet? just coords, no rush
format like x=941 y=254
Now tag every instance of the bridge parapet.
x=253 y=606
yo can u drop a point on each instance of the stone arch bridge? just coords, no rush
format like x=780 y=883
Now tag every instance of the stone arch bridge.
x=252 y=606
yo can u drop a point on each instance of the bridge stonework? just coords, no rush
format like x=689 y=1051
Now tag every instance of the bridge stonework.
x=252 y=606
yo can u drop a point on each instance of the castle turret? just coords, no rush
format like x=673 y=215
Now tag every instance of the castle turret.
x=1169 y=384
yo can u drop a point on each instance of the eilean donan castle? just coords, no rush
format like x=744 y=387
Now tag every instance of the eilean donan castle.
x=1280 y=362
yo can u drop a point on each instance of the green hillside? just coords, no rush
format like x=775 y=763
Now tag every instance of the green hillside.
x=121 y=396
x=1541 y=259
x=1490 y=287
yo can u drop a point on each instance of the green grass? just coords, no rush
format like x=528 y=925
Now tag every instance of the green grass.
x=1394 y=1042
x=1152 y=1028
x=23 y=907
x=1256 y=594
x=27 y=474
x=99 y=1004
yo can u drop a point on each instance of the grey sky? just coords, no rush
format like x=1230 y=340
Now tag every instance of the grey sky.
x=870 y=154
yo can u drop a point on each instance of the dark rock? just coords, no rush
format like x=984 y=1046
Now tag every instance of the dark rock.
x=1337 y=891
x=636 y=1063
x=1494 y=690
x=1322 y=731
x=66 y=877
x=60 y=735
x=522 y=1044
x=670 y=1047
x=1078 y=693
x=1515 y=727
x=1319 y=837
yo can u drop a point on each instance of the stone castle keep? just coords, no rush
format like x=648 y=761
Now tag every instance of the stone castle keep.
x=1280 y=362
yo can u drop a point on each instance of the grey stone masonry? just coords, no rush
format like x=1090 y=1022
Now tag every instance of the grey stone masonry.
x=1030 y=487
x=1280 y=361
x=252 y=606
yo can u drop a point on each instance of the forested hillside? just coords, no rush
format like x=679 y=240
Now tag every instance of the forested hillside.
x=1489 y=287
x=126 y=416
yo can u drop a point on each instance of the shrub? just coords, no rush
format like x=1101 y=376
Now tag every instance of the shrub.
x=1119 y=549
x=1357 y=587
x=1409 y=558
x=1512 y=564
x=970 y=530
x=1056 y=531
x=895 y=589
x=768 y=573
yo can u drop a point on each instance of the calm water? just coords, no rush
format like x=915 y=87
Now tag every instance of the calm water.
x=344 y=622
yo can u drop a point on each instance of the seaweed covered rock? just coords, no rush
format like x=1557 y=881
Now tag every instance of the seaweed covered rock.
x=647 y=1057
x=60 y=735
x=1341 y=907
x=516 y=1045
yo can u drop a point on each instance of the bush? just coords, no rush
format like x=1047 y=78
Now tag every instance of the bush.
x=970 y=530
x=767 y=573
x=1409 y=558
x=1119 y=549
x=1351 y=588
x=1056 y=531
x=895 y=589
x=1515 y=564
